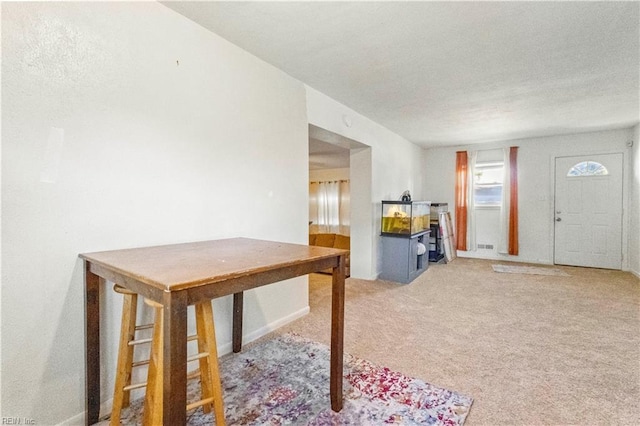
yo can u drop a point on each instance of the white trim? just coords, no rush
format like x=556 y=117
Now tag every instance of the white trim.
x=487 y=207
x=79 y=419
x=225 y=348
x=493 y=255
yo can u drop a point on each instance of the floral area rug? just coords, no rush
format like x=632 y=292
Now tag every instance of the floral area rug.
x=531 y=270
x=285 y=381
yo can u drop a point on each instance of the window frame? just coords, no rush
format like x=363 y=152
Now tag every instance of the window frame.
x=487 y=165
x=587 y=170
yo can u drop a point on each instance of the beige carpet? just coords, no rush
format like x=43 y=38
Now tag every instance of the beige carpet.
x=530 y=349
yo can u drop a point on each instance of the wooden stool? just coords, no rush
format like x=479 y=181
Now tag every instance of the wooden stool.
x=208 y=356
x=211 y=389
x=128 y=328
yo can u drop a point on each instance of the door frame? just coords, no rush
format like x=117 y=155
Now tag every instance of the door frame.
x=361 y=217
x=625 y=200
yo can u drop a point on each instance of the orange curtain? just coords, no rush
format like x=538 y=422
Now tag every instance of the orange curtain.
x=513 y=201
x=461 y=206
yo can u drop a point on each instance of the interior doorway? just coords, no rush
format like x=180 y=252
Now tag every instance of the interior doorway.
x=339 y=160
x=588 y=211
x=329 y=189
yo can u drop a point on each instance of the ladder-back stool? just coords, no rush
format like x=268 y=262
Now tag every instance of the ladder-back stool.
x=207 y=356
x=211 y=389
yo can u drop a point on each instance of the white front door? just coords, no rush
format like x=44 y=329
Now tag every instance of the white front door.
x=588 y=211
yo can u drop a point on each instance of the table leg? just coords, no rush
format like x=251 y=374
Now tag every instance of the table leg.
x=92 y=345
x=237 y=321
x=337 y=335
x=174 y=369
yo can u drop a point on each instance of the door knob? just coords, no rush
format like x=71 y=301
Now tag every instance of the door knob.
x=558 y=219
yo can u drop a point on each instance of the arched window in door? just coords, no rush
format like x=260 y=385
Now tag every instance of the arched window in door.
x=588 y=168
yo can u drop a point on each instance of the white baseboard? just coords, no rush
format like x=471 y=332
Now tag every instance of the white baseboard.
x=473 y=255
x=223 y=349
x=77 y=419
x=501 y=258
x=226 y=348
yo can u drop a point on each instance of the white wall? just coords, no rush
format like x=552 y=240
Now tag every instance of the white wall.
x=328 y=174
x=394 y=165
x=361 y=226
x=171 y=134
x=535 y=186
x=634 y=222
x=1 y=350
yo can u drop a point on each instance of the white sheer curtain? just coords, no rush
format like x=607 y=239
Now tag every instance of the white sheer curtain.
x=503 y=241
x=329 y=207
x=471 y=215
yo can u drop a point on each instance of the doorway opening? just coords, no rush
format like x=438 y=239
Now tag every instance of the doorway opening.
x=340 y=197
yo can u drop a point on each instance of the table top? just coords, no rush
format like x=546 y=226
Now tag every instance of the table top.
x=175 y=266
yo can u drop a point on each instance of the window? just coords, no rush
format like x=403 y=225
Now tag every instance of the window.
x=487 y=184
x=329 y=207
x=588 y=168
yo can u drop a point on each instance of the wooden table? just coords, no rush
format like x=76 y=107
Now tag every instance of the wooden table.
x=179 y=275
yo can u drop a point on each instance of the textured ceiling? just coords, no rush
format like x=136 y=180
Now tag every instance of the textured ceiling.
x=447 y=73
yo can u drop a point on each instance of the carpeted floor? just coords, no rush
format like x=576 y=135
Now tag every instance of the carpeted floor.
x=530 y=349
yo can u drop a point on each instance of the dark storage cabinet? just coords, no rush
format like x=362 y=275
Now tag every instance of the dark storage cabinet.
x=436 y=250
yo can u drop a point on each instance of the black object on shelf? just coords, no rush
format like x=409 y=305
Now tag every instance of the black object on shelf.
x=436 y=246
x=436 y=250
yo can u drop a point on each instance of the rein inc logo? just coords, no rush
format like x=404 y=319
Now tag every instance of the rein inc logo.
x=17 y=421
